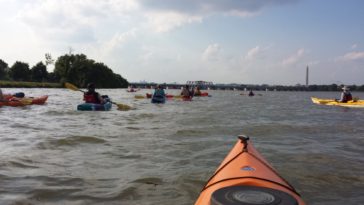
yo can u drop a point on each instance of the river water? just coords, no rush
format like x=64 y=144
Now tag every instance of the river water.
x=163 y=154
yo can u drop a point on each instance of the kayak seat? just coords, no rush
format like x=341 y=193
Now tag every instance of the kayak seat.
x=251 y=195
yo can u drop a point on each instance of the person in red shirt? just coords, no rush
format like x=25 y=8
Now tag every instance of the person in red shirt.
x=91 y=96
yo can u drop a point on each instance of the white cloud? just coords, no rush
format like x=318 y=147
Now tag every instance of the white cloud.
x=166 y=15
x=239 y=13
x=354 y=46
x=118 y=40
x=72 y=21
x=212 y=53
x=166 y=21
x=352 y=56
x=294 y=58
x=252 y=53
x=209 y=7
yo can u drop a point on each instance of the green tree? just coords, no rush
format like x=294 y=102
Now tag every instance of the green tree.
x=52 y=77
x=103 y=76
x=72 y=68
x=48 y=59
x=3 y=69
x=19 y=71
x=79 y=70
x=39 y=72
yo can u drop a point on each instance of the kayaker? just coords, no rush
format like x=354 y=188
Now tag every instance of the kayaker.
x=131 y=89
x=91 y=96
x=159 y=92
x=197 y=91
x=186 y=91
x=251 y=93
x=345 y=95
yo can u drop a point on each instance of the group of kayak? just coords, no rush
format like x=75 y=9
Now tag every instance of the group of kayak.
x=159 y=96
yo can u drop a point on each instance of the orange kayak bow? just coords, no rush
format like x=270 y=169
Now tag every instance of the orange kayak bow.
x=246 y=178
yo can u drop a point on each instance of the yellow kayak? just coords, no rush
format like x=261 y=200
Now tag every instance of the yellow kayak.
x=352 y=103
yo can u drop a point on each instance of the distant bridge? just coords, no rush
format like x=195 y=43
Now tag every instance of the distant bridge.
x=179 y=86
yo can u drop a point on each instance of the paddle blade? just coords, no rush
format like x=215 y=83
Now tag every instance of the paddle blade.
x=71 y=86
x=123 y=107
x=139 y=97
x=26 y=101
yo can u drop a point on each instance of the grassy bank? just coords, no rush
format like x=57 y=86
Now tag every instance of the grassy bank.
x=18 y=84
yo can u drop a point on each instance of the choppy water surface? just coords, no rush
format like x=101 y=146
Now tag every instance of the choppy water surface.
x=163 y=154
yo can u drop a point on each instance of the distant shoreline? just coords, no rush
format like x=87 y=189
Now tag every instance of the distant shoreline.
x=332 y=88
x=21 y=84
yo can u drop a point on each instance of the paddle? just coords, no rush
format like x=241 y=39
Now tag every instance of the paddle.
x=26 y=101
x=74 y=88
x=140 y=97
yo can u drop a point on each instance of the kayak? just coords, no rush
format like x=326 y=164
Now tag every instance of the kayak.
x=17 y=102
x=95 y=107
x=158 y=99
x=246 y=178
x=13 y=103
x=38 y=101
x=202 y=95
x=352 y=103
x=186 y=98
x=169 y=96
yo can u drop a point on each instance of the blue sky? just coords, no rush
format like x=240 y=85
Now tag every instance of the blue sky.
x=223 y=41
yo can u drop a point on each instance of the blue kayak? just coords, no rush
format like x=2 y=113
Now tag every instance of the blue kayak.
x=95 y=107
x=158 y=99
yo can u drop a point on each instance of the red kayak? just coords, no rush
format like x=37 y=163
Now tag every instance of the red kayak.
x=202 y=95
x=187 y=98
x=39 y=100
x=16 y=102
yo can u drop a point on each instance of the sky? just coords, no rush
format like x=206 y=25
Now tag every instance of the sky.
x=220 y=41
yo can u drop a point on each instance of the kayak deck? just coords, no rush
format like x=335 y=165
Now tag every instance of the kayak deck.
x=245 y=171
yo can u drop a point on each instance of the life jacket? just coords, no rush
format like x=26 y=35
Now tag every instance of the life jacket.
x=347 y=97
x=91 y=98
x=159 y=94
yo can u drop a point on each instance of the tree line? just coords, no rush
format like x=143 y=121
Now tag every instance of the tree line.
x=331 y=87
x=74 y=68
